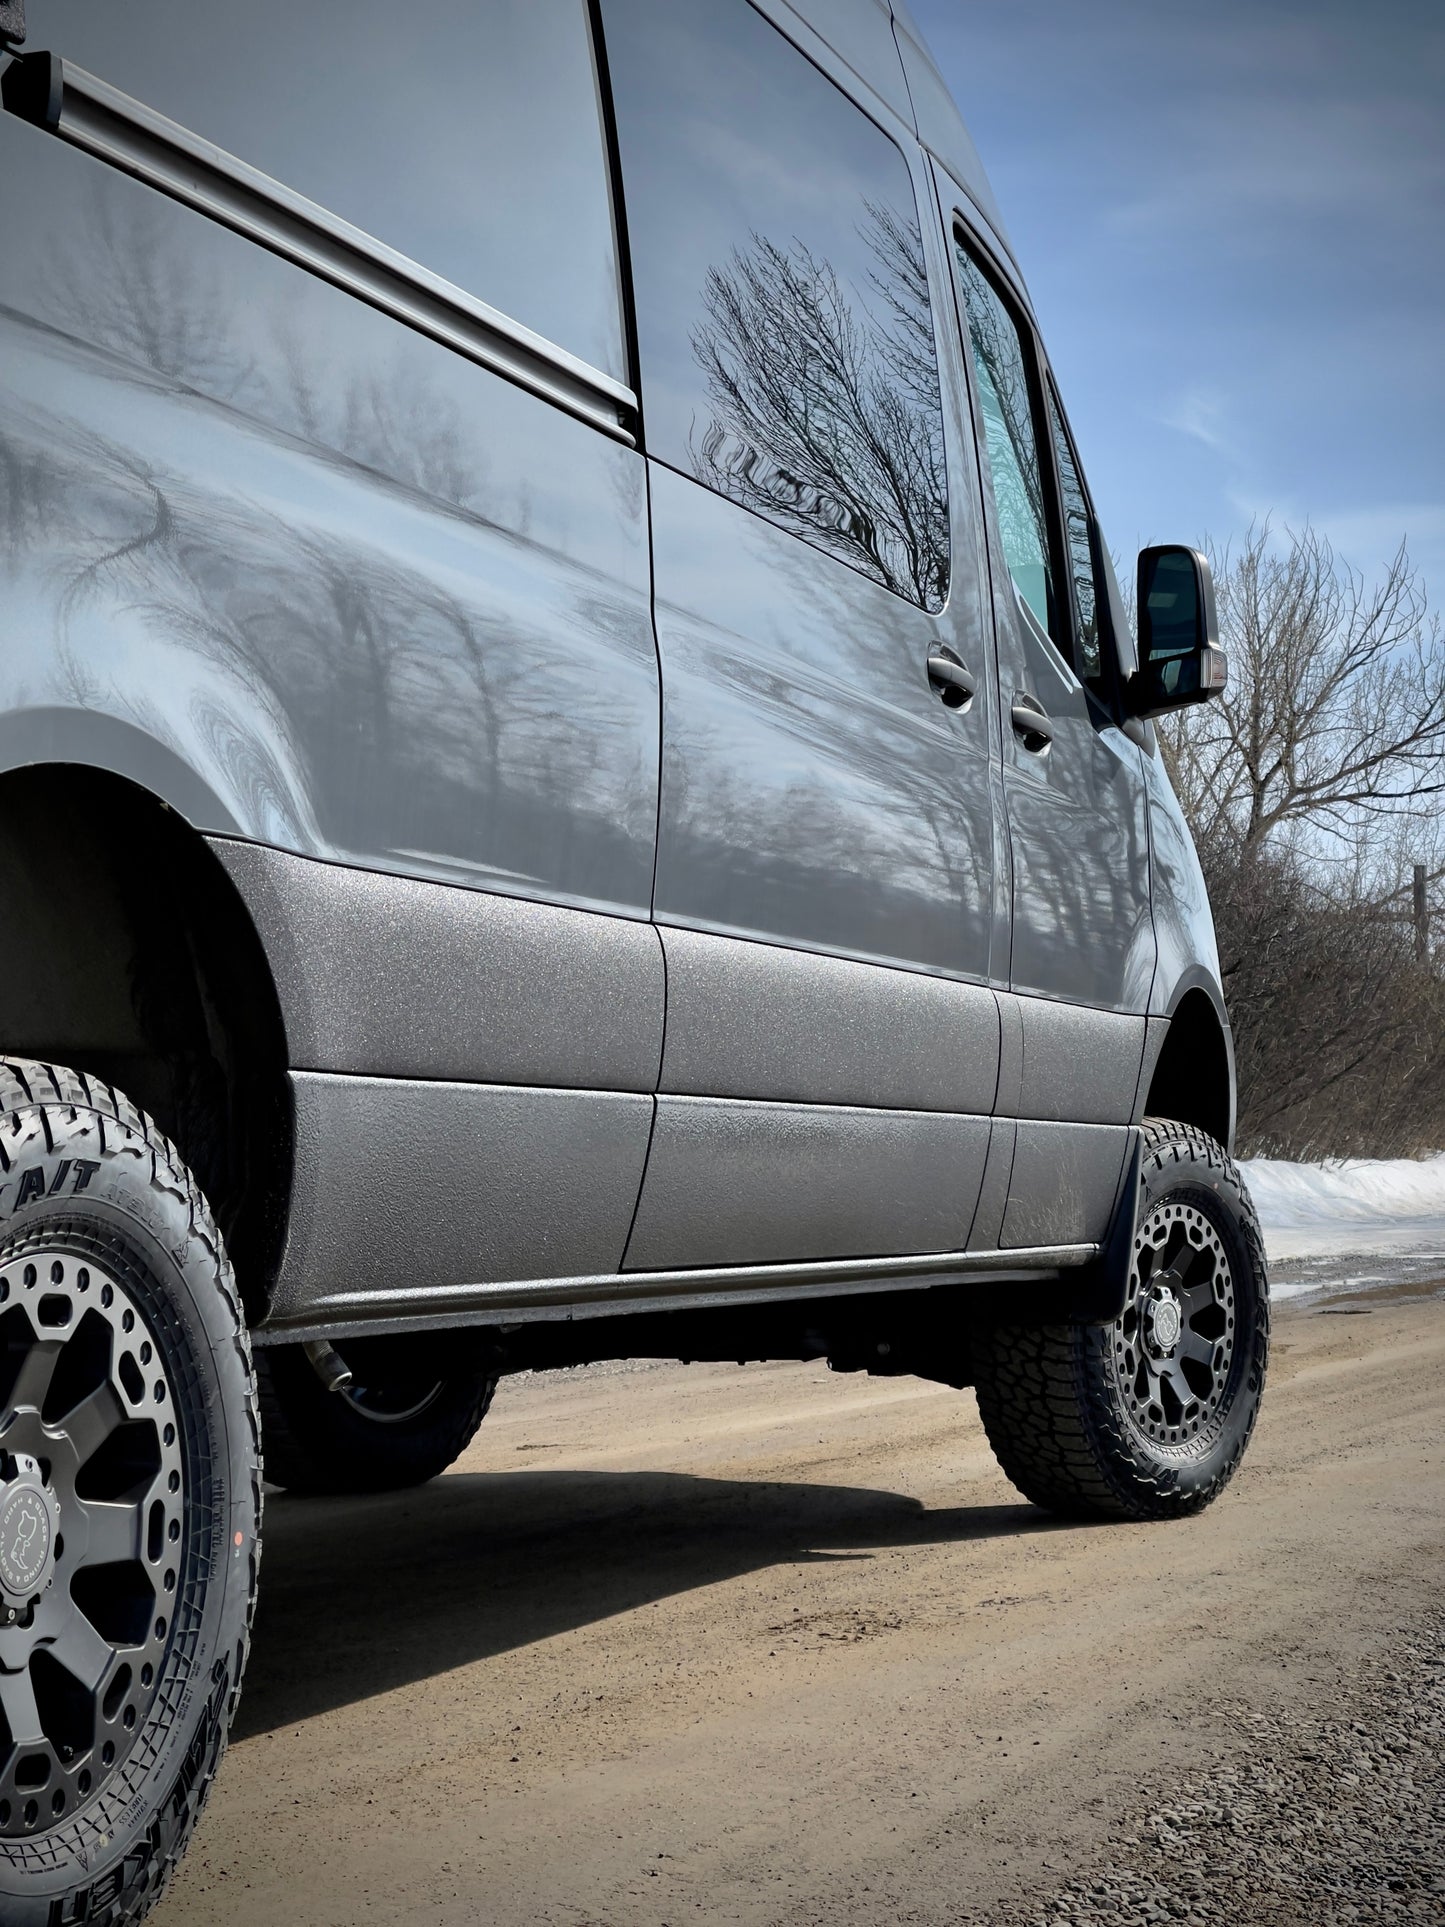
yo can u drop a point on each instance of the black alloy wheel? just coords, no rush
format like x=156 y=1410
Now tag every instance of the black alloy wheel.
x=92 y=1505
x=1174 y=1342
x=129 y=1501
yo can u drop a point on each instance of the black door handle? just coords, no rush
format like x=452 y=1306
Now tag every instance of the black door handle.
x=950 y=678
x=1031 y=722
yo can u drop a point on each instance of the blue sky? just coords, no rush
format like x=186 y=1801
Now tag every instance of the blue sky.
x=1232 y=222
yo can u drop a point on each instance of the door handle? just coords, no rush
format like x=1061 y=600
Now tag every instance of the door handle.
x=1031 y=722
x=950 y=678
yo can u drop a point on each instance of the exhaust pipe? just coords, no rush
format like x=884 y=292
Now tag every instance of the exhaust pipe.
x=329 y=1366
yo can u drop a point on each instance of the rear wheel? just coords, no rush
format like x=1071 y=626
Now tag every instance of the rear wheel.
x=1147 y=1417
x=129 y=1501
x=398 y=1423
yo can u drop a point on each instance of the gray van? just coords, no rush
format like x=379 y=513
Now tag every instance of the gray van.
x=575 y=783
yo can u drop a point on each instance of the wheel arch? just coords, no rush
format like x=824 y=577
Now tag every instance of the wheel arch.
x=1191 y=1078
x=128 y=953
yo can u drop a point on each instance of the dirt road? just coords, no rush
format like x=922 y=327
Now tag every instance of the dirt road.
x=774 y=1646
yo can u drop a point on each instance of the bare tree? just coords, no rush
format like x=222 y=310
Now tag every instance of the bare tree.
x=1334 y=717
x=1314 y=789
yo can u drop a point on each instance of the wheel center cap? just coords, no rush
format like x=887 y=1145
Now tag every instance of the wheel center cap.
x=1166 y=1322
x=29 y=1526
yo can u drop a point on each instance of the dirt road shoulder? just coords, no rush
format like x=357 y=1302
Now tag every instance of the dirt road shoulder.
x=778 y=1646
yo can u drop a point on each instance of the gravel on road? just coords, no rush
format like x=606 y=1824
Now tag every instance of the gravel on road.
x=1302 y=1821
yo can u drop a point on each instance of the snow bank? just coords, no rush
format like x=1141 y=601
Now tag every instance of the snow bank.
x=1358 y=1190
x=1348 y=1205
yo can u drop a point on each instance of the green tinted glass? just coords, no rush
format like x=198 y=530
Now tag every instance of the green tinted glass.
x=1013 y=453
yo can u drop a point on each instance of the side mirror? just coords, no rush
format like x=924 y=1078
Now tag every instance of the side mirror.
x=1180 y=660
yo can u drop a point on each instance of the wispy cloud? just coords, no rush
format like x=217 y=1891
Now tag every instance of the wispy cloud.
x=1198 y=413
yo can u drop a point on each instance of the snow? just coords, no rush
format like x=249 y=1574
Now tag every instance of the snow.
x=1349 y=1207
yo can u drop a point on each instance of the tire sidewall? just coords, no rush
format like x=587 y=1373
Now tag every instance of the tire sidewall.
x=134 y=1201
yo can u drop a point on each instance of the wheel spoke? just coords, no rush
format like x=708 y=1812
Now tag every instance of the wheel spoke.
x=91 y=1422
x=1195 y=1297
x=33 y=1380
x=17 y=1699
x=1193 y=1344
x=1179 y=1384
x=115 y=1532
x=82 y=1651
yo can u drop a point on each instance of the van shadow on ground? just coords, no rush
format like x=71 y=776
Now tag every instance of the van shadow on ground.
x=359 y=1596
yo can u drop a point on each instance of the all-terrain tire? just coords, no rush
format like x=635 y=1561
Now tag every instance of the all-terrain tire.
x=129 y=1454
x=1147 y=1417
x=372 y=1437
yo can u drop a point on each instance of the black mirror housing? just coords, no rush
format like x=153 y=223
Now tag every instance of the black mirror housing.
x=1180 y=660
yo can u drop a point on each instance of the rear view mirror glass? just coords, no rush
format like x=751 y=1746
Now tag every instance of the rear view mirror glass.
x=1180 y=660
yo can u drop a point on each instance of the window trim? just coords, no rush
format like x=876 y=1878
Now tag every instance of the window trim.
x=60 y=98
x=962 y=234
x=1043 y=389
x=1108 y=691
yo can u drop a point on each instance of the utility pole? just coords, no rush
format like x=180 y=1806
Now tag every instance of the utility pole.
x=1422 y=916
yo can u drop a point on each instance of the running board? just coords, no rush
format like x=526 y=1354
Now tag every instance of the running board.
x=615 y=1294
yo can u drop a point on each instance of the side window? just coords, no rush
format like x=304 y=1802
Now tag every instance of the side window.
x=1088 y=603
x=784 y=329
x=465 y=135
x=1018 y=472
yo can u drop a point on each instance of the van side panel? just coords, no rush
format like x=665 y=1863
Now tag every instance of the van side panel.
x=393 y=613
x=392 y=608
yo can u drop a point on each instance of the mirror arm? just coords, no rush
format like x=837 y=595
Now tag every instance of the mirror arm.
x=1144 y=698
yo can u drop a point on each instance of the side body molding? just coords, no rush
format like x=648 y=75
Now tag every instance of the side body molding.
x=405 y=1189
x=387 y=976
x=732 y=1182
x=760 y=1020
x=1070 y=1077
x=471 y=1080
x=812 y=1106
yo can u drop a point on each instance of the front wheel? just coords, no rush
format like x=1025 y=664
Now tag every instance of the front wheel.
x=1147 y=1417
x=130 y=1501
